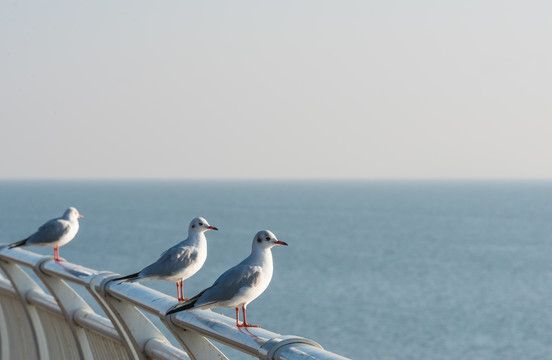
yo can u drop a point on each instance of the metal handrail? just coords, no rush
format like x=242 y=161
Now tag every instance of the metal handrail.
x=126 y=324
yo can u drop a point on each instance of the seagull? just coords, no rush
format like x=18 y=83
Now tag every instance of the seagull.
x=54 y=233
x=178 y=262
x=240 y=285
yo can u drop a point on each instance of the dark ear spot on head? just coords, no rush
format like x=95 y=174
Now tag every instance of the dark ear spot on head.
x=259 y=240
x=193 y=226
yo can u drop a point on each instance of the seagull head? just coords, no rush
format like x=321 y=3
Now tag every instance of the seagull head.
x=72 y=214
x=266 y=239
x=200 y=225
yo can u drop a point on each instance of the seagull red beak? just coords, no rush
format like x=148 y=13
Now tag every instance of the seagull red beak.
x=280 y=243
x=211 y=227
x=80 y=216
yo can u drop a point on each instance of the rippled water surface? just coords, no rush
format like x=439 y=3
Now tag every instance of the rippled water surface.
x=382 y=270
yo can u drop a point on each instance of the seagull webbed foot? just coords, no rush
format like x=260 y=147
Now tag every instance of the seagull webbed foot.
x=246 y=325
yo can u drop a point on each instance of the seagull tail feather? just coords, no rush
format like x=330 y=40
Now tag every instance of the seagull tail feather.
x=128 y=278
x=19 y=243
x=188 y=304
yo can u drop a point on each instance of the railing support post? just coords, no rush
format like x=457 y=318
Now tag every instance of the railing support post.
x=69 y=302
x=133 y=326
x=24 y=284
x=197 y=346
x=4 y=334
x=96 y=290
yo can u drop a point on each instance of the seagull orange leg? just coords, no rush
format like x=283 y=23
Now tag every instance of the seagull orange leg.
x=178 y=291
x=245 y=324
x=238 y=317
x=56 y=253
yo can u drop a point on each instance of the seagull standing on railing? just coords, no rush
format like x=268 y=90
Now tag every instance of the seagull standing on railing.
x=239 y=285
x=54 y=233
x=180 y=261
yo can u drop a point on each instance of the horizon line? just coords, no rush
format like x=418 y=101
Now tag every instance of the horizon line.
x=429 y=179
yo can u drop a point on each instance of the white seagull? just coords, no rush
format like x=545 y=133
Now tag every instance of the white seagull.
x=54 y=233
x=180 y=261
x=239 y=285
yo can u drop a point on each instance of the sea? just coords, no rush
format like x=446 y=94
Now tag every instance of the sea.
x=381 y=270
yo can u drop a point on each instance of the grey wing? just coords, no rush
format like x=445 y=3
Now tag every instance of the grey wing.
x=171 y=261
x=229 y=284
x=49 y=232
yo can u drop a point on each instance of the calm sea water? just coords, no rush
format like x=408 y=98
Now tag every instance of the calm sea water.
x=382 y=270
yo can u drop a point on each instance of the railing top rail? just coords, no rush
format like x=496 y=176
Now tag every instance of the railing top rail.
x=257 y=342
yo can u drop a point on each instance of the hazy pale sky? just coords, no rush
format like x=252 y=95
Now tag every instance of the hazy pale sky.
x=279 y=89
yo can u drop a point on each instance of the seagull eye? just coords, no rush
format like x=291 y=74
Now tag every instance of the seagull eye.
x=267 y=238
x=200 y=224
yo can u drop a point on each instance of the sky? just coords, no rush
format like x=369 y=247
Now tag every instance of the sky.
x=281 y=89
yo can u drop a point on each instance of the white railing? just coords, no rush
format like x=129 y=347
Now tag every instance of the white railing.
x=62 y=325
